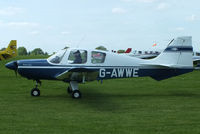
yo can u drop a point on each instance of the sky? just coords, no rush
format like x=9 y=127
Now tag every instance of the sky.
x=115 y=24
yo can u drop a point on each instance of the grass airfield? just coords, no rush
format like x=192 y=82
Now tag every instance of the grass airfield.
x=120 y=106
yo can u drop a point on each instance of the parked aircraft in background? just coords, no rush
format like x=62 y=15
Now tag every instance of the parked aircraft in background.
x=10 y=51
x=153 y=54
x=80 y=65
x=196 y=56
x=142 y=54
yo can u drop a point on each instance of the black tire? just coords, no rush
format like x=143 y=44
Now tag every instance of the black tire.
x=76 y=94
x=69 y=90
x=35 y=92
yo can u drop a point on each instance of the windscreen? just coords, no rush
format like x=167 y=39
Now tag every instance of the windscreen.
x=56 y=58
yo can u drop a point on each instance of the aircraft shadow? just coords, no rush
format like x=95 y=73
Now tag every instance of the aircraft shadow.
x=101 y=101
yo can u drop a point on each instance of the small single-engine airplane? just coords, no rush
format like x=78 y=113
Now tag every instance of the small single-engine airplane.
x=79 y=65
x=196 y=56
x=10 y=51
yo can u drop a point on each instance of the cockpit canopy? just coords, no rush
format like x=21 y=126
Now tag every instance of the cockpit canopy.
x=56 y=58
x=77 y=56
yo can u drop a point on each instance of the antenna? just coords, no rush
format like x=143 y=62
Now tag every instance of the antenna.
x=81 y=40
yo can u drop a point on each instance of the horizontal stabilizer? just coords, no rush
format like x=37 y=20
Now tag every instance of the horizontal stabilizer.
x=168 y=73
x=166 y=65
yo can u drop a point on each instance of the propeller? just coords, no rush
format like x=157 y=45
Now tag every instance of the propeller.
x=13 y=66
x=16 y=69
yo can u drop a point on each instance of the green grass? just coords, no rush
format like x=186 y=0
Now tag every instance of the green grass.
x=120 y=106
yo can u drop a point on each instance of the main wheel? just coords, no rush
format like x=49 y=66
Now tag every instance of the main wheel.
x=35 y=92
x=69 y=90
x=76 y=94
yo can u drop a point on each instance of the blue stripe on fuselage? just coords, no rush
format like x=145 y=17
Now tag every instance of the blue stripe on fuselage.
x=41 y=73
x=38 y=73
x=41 y=69
x=33 y=62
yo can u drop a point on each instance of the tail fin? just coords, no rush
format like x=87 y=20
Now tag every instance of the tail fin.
x=12 y=48
x=128 y=50
x=178 y=54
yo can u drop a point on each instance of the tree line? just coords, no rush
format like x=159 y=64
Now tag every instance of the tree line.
x=39 y=51
x=36 y=51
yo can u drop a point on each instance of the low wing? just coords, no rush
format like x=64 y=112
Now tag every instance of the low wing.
x=78 y=74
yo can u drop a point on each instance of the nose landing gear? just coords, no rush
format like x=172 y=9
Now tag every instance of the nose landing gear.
x=35 y=91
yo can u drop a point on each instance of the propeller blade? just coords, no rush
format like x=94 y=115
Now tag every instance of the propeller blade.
x=16 y=73
x=13 y=66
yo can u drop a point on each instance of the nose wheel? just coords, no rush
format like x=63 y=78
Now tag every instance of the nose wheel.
x=35 y=91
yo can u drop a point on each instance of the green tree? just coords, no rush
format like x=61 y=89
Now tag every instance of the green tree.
x=37 y=51
x=3 y=49
x=22 y=51
x=101 y=48
x=46 y=53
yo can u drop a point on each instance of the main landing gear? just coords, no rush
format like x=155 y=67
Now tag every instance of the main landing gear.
x=73 y=90
x=35 y=91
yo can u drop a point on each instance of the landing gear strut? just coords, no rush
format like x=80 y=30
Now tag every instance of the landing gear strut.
x=73 y=90
x=35 y=91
